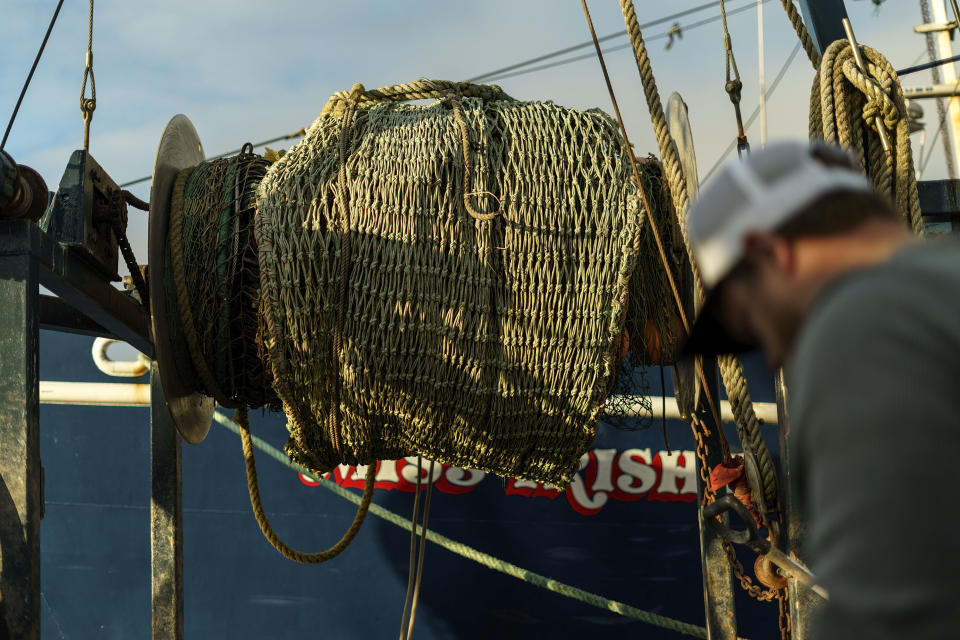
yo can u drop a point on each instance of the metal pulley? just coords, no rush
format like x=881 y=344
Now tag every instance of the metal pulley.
x=23 y=192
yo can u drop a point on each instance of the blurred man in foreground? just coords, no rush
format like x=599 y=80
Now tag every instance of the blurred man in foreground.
x=803 y=259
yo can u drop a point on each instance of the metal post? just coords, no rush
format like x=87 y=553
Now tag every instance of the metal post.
x=21 y=476
x=718 y=598
x=944 y=40
x=802 y=601
x=166 y=518
x=822 y=18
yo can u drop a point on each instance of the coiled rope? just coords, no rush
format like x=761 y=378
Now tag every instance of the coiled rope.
x=846 y=108
x=470 y=553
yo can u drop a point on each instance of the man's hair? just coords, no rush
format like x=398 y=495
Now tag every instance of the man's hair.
x=837 y=211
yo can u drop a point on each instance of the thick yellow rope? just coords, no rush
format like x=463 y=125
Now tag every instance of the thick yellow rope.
x=847 y=107
x=797 y=22
x=287 y=551
x=731 y=369
x=418 y=90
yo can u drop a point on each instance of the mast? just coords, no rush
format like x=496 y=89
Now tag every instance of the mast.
x=948 y=71
x=762 y=83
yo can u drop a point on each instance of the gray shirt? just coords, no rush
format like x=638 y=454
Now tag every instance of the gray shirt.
x=875 y=410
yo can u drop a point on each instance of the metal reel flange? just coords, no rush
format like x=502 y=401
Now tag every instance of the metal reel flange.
x=685 y=382
x=179 y=149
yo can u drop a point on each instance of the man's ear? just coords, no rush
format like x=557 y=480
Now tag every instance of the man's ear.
x=770 y=249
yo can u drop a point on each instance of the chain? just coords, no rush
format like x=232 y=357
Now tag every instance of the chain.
x=118 y=223
x=88 y=105
x=700 y=431
x=786 y=627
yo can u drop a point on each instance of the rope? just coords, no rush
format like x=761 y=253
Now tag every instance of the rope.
x=243 y=428
x=849 y=106
x=343 y=269
x=731 y=369
x=412 y=564
x=468 y=552
x=417 y=90
x=681 y=310
x=88 y=105
x=468 y=165
x=797 y=22
x=423 y=546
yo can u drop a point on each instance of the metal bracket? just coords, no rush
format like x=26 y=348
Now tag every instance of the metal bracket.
x=80 y=215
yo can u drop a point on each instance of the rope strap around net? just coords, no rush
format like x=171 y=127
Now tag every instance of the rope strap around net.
x=424 y=89
x=464 y=550
x=731 y=369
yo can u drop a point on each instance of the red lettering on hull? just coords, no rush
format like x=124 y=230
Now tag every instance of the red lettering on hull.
x=603 y=475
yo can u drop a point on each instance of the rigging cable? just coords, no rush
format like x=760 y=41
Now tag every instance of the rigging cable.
x=289 y=136
x=504 y=72
x=88 y=105
x=733 y=86
x=756 y=111
x=585 y=56
x=33 y=68
x=653 y=227
x=583 y=45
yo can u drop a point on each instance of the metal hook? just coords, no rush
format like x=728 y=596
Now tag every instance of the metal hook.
x=858 y=59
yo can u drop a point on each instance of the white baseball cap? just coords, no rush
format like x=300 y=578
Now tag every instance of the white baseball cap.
x=756 y=194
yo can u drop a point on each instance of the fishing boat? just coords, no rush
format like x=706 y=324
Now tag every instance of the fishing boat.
x=122 y=525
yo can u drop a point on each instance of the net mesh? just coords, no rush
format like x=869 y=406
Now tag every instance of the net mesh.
x=488 y=344
x=211 y=233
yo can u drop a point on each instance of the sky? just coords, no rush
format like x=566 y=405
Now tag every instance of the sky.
x=244 y=71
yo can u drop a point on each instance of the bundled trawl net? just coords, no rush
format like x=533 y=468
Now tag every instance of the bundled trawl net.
x=449 y=280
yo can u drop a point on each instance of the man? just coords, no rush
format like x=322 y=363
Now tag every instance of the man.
x=802 y=258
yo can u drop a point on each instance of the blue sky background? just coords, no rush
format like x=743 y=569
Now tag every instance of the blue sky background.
x=247 y=71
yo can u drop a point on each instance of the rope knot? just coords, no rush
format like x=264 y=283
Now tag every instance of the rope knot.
x=878 y=88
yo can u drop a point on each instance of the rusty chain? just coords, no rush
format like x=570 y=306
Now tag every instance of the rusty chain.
x=118 y=223
x=756 y=591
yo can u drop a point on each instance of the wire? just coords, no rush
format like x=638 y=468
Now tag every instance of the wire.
x=296 y=134
x=588 y=43
x=756 y=112
x=659 y=36
x=26 y=84
x=927 y=65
